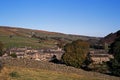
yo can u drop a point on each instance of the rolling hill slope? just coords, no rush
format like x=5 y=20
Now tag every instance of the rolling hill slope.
x=25 y=69
x=19 y=37
x=110 y=37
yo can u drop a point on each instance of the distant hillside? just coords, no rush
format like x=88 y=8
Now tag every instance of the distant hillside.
x=4 y=30
x=28 y=32
x=12 y=36
x=110 y=37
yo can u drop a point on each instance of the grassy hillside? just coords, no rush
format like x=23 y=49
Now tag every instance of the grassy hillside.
x=25 y=69
x=20 y=37
x=20 y=73
x=28 y=32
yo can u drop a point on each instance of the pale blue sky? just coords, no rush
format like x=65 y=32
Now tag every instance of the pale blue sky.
x=82 y=17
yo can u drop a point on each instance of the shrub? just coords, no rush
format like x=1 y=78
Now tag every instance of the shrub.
x=114 y=64
x=13 y=55
x=75 y=53
x=14 y=74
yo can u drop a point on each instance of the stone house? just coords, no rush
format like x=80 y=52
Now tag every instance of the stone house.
x=20 y=52
x=99 y=56
x=32 y=55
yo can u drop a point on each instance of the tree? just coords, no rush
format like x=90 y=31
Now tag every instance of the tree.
x=114 y=64
x=1 y=48
x=75 y=53
x=10 y=36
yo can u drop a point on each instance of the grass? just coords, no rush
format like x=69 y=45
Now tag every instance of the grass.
x=20 y=73
x=18 y=41
x=24 y=69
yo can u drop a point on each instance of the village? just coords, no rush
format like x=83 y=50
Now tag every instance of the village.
x=34 y=54
x=46 y=54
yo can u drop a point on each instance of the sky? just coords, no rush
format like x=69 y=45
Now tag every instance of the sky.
x=82 y=17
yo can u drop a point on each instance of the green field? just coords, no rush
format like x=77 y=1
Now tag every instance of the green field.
x=18 y=41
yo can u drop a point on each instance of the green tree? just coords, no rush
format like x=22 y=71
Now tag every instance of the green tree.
x=1 y=48
x=114 y=64
x=75 y=53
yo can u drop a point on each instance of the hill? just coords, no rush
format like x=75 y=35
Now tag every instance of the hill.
x=110 y=37
x=19 y=37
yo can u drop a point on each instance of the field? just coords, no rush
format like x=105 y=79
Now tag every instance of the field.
x=18 y=41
